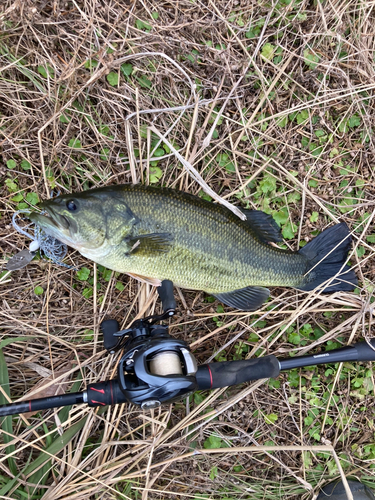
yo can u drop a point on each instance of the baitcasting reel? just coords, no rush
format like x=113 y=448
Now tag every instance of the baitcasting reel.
x=155 y=367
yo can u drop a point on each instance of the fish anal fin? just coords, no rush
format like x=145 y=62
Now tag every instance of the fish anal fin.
x=245 y=299
x=145 y=279
x=263 y=225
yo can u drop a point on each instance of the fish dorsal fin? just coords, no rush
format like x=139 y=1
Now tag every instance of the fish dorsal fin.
x=245 y=299
x=263 y=225
x=149 y=244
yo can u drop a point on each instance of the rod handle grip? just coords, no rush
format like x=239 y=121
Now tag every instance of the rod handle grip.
x=228 y=373
x=364 y=351
x=104 y=393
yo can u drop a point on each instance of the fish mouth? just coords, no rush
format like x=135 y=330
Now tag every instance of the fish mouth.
x=53 y=223
x=57 y=219
x=49 y=219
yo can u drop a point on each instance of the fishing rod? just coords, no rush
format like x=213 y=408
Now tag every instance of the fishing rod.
x=156 y=368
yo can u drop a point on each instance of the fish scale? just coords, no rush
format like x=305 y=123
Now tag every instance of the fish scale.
x=161 y=233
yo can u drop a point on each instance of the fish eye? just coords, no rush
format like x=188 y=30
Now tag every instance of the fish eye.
x=71 y=205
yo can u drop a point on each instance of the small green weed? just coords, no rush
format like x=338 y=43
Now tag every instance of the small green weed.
x=46 y=71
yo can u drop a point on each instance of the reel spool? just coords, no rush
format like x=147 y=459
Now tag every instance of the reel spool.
x=165 y=363
x=156 y=370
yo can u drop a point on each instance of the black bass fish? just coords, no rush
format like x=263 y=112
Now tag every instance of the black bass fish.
x=159 y=233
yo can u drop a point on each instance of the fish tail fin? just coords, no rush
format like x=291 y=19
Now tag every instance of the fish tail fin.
x=326 y=255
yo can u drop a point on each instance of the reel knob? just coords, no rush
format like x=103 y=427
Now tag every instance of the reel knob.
x=109 y=328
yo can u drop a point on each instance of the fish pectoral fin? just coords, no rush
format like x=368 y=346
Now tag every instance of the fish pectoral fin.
x=263 y=225
x=245 y=299
x=144 y=279
x=148 y=244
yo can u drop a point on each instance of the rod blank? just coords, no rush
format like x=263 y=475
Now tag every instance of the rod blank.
x=41 y=404
x=361 y=351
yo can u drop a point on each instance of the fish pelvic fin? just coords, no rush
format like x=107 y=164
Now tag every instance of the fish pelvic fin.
x=145 y=279
x=245 y=299
x=149 y=244
x=327 y=255
x=263 y=225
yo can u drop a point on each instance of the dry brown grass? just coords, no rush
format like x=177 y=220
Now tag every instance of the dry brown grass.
x=124 y=452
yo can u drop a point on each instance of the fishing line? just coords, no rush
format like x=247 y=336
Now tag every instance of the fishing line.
x=52 y=248
x=166 y=363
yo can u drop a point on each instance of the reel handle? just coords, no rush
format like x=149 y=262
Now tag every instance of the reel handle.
x=114 y=339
